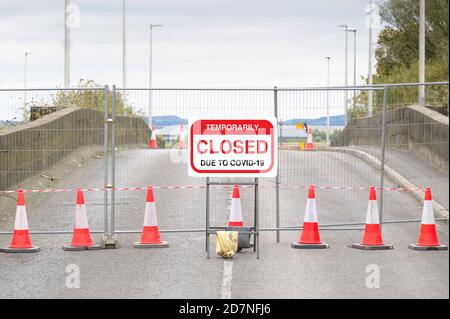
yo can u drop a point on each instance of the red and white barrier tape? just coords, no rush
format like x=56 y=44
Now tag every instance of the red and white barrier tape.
x=51 y=190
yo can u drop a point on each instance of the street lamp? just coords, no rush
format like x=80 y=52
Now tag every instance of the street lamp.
x=66 y=45
x=370 y=79
x=345 y=26
x=25 y=79
x=150 y=93
x=422 y=53
x=328 y=100
x=124 y=44
x=354 y=62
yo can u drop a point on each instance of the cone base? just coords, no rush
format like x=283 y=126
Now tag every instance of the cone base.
x=372 y=247
x=33 y=249
x=80 y=248
x=162 y=244
x=423 y=248
x=309 y=246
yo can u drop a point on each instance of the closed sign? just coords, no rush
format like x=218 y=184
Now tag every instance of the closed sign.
x=233 y=147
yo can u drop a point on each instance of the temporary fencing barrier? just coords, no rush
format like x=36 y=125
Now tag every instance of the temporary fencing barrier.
x=125 y=112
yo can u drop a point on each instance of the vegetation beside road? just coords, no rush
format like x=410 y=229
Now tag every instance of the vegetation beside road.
x=397 y=55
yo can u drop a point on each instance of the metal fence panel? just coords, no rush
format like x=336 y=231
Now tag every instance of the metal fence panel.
x=52 y=139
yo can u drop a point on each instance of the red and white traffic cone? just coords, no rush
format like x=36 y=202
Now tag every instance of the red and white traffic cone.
x=428 y=239
x=310 y=237
x=235 y=219
x=150 y=233
x=153 y=144
x=309 y=146
x=372 y=239
x=81 y=238
x=21 y=241
x=182 y=141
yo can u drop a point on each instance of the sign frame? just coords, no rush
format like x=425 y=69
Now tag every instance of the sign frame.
x=270 y=122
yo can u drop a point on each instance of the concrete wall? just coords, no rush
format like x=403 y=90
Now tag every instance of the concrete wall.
x=29 y=149
x=418 y=129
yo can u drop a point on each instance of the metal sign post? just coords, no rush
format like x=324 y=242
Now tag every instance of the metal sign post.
x=233 y=148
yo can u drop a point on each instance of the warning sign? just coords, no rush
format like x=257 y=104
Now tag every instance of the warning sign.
x=233 y=147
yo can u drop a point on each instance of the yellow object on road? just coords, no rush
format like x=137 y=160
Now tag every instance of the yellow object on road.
x=302 y=146
x=226 y=243
x=299 y=126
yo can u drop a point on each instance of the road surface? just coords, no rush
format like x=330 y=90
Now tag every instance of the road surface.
x=182 y=270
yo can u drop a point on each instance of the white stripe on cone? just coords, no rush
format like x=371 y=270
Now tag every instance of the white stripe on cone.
x=427 y=213
x=81 y=221
x=372 y=213
x=150 y=218
x=309 y=137
x=236 y=210
x=311 y=211
x=21 y=221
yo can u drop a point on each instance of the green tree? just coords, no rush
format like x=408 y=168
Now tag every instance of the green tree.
x=397 y=55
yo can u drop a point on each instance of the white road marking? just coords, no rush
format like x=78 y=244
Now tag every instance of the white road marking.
x=227 y=278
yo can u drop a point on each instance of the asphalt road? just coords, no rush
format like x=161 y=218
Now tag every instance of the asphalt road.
x=182 y=270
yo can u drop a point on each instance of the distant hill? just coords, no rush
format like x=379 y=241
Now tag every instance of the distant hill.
x=170 y=120
x=337 y=120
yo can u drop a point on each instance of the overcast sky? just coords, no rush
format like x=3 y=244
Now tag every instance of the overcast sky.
x=204 y=43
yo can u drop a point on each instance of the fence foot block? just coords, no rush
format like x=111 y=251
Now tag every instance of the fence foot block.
x=110 y=242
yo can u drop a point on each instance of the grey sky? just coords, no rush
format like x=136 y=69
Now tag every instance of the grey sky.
x=204 y=43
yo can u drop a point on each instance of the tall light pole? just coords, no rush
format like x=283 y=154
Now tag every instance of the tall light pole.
x=422 y=53
x=354 y=55
x=345 y=26
x=354 y=63
x=150 y=65
x=25 y=79
x=124 y=44
x=328 y=101
x=370 y=79
x=66 y=45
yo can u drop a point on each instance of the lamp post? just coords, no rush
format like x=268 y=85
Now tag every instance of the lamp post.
x=354 y=63
x=150 y=93
x=345 y=26
x=124 y=44
x=25 y=79
x=328 y=101
x=66 y=45
x=370 y=79
x=422 y=53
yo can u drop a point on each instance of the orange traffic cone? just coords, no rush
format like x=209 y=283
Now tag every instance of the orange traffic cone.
x=21 y=242
x=150 y=234
x=309 y=146
x=81 y=238
x=182 y=141
x=153 y=144
x=235 y=219
x=310 y=237
x=428 y=239
x=372 y=239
